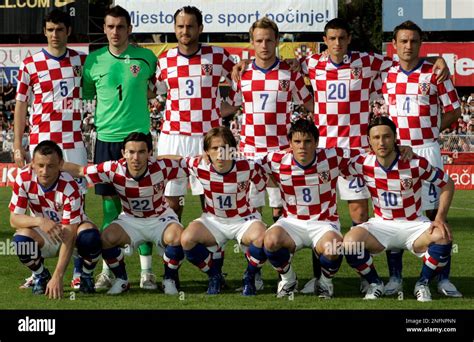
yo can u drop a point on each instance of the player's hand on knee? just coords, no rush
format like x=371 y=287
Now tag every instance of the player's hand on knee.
x=443 y=228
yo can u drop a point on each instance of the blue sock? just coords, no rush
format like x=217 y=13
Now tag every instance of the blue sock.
x=29 y=253
x=89 y=247
x=172 y=258
x=330 y=267
x=445 y=271
x=256 y=257
x=78 y=263
x=395 y=262
x=279 y=259
x=364 y=266
x=436 y=257
x=200 y=256
x=115 y=260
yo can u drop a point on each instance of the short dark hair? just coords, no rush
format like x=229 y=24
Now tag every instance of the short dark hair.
x=224 y=132
x=303 y=126
x=190 y=10
x=117 y=12
x=57 y=16
x=337 y=24
x=407 y=25
x=381 y=120
x=138 y=136
x=47 y=147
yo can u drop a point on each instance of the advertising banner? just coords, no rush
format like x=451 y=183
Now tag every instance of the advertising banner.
x=148 y=16
x=458 y=56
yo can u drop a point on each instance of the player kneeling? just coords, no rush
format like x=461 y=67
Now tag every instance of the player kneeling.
x=57 y=221
x=307 y=178
x=228 y=214
x=140 y=182
x=395 y=187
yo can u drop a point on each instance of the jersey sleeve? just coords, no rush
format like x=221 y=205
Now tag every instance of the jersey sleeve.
x=259 y=177
x=300 y=92
x=235 y=95
x=227 y=66
x=448 y=96
x=23 y=86
x=19 y=199
x=174 y=169
x=72 y=209
x=350 y=162
x=159 y=86
x=99 y=173
x=88 y=84
x=432 y=174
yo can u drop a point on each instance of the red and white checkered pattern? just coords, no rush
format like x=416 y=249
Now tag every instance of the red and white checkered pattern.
x=192 y=87
x=414 y=99
x=227 y=195
x=308 y=193
x=267 y=96
x=396 y=191
x=62 y=203
x=341 y=97
x=54 y=87
x=142 y=198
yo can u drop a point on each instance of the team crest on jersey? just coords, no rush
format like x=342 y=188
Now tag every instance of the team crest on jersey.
x=135 y=69
x=407 y=183
x=324 y=176
x=77 y=69
x=207 y=69
x=284 y=85
x=159 y=187
x=356 y=73
x=424 y=88
x=242 y=186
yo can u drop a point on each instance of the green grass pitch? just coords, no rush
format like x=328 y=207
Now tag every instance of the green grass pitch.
x=194 y=283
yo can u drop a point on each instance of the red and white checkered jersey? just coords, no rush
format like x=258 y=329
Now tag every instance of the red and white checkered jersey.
x=227 y=194
x=143 y=197
x=414 y=99
x=342 y=96
x=192 y=87
x=267 y=96
x=53 y=84
x=309 y=193
x=396 y=191
x=61 y=203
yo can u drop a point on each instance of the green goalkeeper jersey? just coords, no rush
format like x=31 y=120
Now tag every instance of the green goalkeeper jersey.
x=120 y=85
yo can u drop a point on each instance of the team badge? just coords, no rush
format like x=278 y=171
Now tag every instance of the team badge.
x=407 y=183
x=284 y=85
x=159 y=187
x=207 y=69
x=242 y=186
x=424 y=88
x=356 y=72
x=77 y=69
x=135 y=69
x=324 y=176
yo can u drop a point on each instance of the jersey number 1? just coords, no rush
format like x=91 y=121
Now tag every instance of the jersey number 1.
x=119 y=88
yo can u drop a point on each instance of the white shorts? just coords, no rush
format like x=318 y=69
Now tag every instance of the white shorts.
x=429 y=192
x=49 y=249
x=185 y=146
x=352 y=189
x=225 y=229
x=76 y=156
x=397 y=234
x=149 y=229
x=257 y=198
x=306 y=233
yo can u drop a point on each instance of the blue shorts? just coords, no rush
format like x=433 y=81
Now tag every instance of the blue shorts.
x=105 y=151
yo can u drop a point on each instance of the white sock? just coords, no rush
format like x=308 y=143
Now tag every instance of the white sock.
x=145 y=263
x=105 y=268
x=289 y=276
